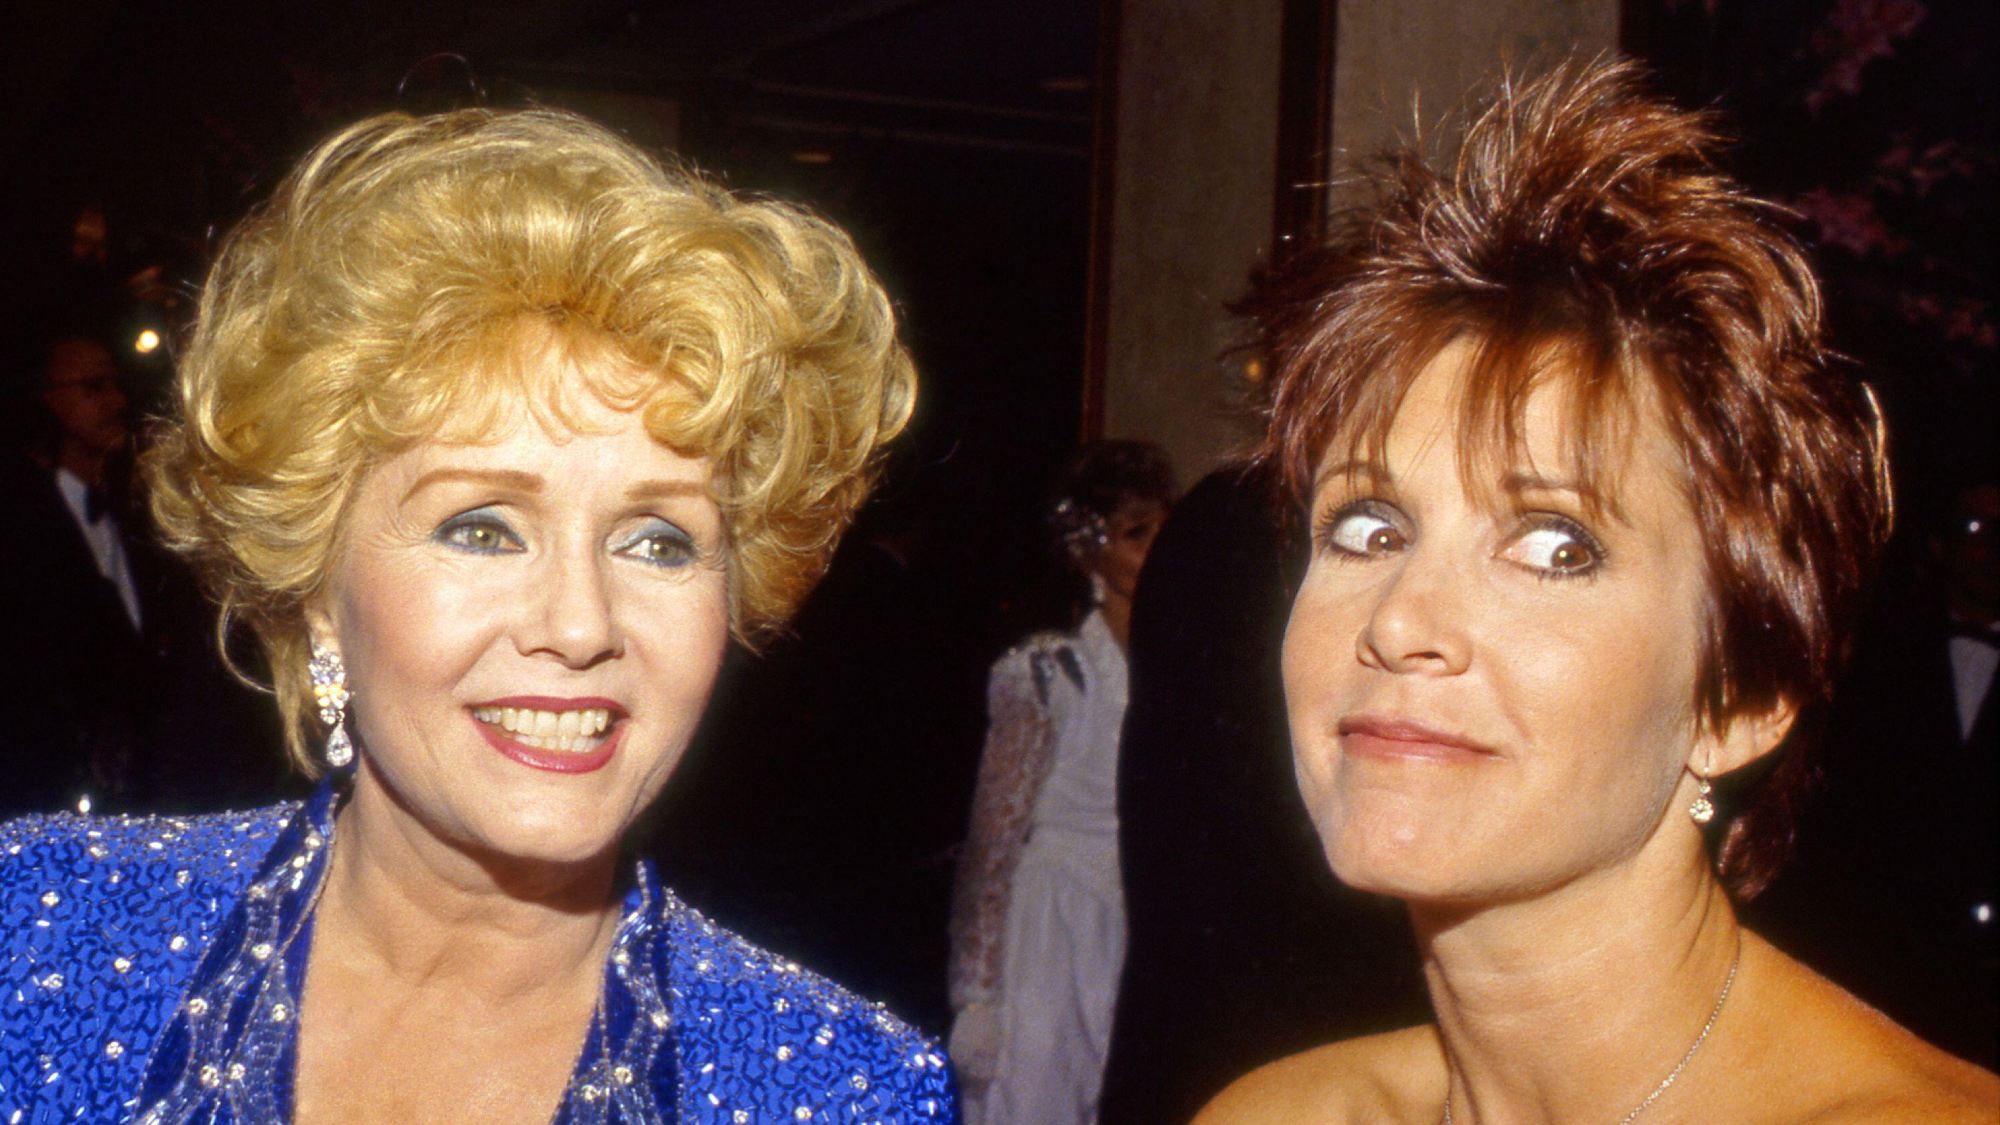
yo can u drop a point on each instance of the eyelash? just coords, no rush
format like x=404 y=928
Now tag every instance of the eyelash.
x=1553 y=521
x=660 y=530
x=1329 y=526
x=457 y=533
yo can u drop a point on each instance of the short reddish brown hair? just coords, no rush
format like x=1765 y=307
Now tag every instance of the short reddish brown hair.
x=1583 y=227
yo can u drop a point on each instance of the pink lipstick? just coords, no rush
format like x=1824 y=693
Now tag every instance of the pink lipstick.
x=557 y=735
x=1375 y=736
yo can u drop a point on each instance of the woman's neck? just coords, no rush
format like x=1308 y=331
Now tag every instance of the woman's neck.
x=404 y=904
x=1116 y=609
x=1575 y=1005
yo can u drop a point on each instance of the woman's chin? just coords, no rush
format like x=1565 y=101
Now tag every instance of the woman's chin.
x=1398 y=864
x=533 y=838
x=528 y=828
x=545 y=842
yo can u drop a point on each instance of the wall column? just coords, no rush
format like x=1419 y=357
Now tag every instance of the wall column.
x=1189 y=215
x=1191 y=178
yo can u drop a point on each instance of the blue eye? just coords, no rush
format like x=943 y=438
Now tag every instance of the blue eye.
x=480 y=532
x=659 y=543
x=1364 y=529
x=1556 y=547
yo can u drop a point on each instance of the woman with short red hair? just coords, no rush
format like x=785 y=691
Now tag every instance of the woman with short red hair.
x=1590 y=509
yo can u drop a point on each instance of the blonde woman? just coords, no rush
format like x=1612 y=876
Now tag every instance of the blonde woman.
x=494 y=432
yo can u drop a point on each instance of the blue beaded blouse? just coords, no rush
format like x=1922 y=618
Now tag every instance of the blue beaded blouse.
x=152 y=966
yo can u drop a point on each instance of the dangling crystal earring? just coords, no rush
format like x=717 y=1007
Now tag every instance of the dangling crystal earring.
x=1099 y=588
x=1702 y=810
x=329 y=686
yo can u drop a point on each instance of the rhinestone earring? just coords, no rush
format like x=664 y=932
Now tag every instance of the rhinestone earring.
x=329 y=687
x=1701 y=810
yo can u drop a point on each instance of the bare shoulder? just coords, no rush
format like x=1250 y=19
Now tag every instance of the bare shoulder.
x=1847 y=1062
x=1958 y=1094
x=1375 y=1078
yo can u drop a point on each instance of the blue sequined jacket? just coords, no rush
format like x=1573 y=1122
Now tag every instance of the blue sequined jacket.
x=152 y=968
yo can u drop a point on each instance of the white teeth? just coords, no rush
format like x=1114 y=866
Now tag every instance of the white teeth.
x=575 y=731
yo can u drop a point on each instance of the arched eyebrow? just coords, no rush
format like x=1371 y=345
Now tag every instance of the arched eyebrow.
x=661 y=489
x=513 y=480
x=1593 y=500
x=1371 y=471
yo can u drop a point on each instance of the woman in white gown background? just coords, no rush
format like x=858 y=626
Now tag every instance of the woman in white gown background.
x=1038 y=914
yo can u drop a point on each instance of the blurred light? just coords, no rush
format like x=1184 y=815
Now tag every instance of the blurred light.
x=814 y=156
x=147 y=342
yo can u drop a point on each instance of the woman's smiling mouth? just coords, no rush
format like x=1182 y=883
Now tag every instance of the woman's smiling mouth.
x=559 y=735
x=549 y=730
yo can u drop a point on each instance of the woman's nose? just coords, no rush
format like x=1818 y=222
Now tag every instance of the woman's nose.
x=1417 y=622
x=575 y=618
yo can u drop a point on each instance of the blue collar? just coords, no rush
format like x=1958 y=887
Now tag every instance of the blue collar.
x=229 y=1053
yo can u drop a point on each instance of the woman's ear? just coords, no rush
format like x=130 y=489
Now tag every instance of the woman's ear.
x=1748 y=737
x=319 y=627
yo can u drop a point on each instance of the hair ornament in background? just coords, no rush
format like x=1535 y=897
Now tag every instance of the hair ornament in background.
x=329 y=688
x=1081 y=531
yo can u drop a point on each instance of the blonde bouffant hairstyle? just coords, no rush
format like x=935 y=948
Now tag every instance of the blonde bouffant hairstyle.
x=386 y=294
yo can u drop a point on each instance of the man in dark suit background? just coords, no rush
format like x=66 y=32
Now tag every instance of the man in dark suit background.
x=71 y=597
x=1892 y=892
x=114 y=689
x=1242 y=946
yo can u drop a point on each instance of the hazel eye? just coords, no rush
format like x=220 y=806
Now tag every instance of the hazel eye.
x=660 y=544
x=1363 y=530
x=1556 y=546
x=481 y=532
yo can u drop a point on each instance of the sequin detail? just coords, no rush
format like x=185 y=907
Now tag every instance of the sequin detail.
x=121 y=906
x=165 y=1010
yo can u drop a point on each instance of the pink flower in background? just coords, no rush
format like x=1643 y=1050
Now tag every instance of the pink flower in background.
x=1856 y=34
x=1849 y=220
x=1963 y=320
x=1902 y=168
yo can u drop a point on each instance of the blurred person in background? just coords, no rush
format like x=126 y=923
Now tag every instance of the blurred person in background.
x=1038 y=916
x=1892 y=893
x=1241 y=946
x=72 y=593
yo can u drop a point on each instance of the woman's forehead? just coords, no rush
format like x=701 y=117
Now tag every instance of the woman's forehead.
x=566 y=385
x=1549 y=422
x=1137 y=509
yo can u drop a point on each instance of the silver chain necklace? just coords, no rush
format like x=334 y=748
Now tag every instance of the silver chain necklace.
x=1716 y=1013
